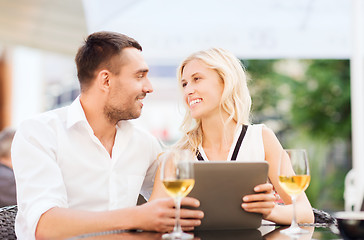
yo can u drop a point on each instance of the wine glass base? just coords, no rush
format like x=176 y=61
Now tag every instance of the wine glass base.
x=294 y=231
x=177 y=235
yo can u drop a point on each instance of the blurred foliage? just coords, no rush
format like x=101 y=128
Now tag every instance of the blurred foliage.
x=264 y=84
x=307 y=104
x=322 y=100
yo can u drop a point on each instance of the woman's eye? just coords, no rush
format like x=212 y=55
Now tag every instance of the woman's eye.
x=196 y=78
x=184 y=84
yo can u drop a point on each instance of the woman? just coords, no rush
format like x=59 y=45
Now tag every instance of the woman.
x=218 y=105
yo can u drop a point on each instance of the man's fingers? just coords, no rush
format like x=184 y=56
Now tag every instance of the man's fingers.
x=188 y=229
x=168 y=202
x=190 y=222
x=189 y=201
x=166 y=211
x=192 y=214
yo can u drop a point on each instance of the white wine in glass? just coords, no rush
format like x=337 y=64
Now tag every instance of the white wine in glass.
x=178 y=179
x=294 y=178
x=180 y=187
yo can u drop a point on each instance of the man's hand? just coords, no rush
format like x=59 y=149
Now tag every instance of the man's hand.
x=262 y=202
x=159 y=215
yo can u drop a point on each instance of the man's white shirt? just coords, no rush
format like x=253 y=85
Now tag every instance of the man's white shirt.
x=59 y=162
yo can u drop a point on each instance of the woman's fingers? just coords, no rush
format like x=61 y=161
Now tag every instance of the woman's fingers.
x=265 y=208
x=256 y=205
x=266 y=197
x=264 y=211
x=263 y=202
x=264 y=193
x=266 y=187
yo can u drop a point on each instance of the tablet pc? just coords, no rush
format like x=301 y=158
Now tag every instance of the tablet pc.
x=220 y=187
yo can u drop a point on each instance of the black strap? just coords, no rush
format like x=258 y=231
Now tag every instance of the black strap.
x=199 y=157
x=238 y=143
x=237 y=146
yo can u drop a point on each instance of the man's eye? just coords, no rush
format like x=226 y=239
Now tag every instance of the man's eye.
x=140 y=75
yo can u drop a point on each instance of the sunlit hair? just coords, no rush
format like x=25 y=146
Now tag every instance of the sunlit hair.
x=235 y=100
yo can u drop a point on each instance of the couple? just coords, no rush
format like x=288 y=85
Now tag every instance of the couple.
x=80 y=168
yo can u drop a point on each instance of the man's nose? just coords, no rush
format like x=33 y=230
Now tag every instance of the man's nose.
x=148 y=88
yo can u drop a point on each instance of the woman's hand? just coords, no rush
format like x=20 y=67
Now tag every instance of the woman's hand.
x=261 y=202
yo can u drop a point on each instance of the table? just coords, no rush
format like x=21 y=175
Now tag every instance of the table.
x=266 y=232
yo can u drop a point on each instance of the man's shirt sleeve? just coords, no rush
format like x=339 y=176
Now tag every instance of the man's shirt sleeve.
x=39 y=181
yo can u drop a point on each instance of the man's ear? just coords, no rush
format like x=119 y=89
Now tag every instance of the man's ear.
x=103 y=80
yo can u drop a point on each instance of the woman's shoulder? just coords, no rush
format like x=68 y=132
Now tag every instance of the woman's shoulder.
x=265 y=132
x=271 y=143
x=268 y=134
x=261 y=127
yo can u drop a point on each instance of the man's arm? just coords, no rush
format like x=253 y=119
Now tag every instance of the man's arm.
x=157 y=215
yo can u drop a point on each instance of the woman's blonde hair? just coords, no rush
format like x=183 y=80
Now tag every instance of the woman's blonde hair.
x=235 y=99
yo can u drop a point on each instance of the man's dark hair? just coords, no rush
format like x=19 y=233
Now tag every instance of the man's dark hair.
x=99 y=51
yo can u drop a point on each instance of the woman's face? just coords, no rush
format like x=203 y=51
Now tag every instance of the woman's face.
x=202 y=88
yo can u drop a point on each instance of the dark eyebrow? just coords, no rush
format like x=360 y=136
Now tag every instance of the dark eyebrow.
x=145 y=70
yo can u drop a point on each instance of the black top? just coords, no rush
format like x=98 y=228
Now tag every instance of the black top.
x=7 y=186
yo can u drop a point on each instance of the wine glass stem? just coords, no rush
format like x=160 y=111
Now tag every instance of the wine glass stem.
x=294 y=220
x=177 y=226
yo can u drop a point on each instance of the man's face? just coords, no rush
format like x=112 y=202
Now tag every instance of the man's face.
x=128 y=88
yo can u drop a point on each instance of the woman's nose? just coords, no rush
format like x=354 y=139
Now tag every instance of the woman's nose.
x=189 y=89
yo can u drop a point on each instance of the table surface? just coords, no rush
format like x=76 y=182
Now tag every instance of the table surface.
x=266 y=232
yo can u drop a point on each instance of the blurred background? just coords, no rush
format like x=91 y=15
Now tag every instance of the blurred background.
x=304 y=59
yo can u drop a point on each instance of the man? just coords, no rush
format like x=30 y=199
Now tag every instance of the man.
x=80 y=169
x=7 y=180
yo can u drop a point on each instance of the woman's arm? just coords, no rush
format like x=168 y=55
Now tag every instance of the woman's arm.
x=283 y=213
x=158 y=188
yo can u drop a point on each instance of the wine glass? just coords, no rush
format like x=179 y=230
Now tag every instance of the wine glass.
x=294 y=178
x=177 y=176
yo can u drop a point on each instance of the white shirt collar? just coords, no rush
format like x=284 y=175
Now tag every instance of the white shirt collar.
x=76 y=113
